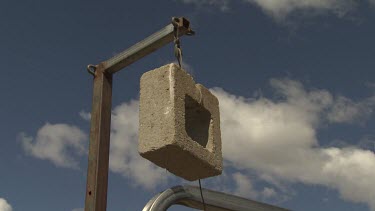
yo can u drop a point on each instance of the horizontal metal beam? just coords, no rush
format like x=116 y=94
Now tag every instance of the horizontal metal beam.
x=189 y=196
x=146 y=46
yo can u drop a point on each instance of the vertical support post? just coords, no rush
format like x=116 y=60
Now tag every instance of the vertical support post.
x=97 y=173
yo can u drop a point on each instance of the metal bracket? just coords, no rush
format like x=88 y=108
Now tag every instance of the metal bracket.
x=183 y=23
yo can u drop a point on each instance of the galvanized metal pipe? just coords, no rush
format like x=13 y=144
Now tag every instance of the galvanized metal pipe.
x=189 y=196
x=146 y=46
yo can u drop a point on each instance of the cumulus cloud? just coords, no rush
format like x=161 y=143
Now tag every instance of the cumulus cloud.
x=222 y=4
x=58 y=143
x=322 y=105
x=345 y=110
x=278 y=138
x=269 y=192
x=4 y=205
x=281 y=9
x=124 y=157
x=85 y=115
x=274 y=137
x=244 y=186
x=63 y=144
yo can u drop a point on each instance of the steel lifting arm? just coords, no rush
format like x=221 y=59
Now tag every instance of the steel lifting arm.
x=148 y=45
x=189 y=196
x=98 y=158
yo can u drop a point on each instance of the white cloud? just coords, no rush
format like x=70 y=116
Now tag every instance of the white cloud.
x=345 y=110
x=275 y=138
x=282 y=9
x=222 y=4
x=85 y=115
x=320 y=104
x=57 y=143
x=60 y=142
x=244 y=186
x=350 y=171
x=4 y=205
x=278 y=138
x=269 y=193
x=124 y=157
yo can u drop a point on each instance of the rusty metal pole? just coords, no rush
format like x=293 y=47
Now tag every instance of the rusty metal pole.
x=97 y=171
x=97 y=174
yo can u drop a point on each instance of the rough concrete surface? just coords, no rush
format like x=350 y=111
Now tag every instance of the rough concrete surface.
x=179 y=124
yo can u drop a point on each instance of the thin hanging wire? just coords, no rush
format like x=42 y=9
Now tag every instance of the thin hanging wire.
x=200 y=189
x=177 y=43
x=178 y=54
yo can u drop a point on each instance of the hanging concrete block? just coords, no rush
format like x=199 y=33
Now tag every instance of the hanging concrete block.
x=179 y=124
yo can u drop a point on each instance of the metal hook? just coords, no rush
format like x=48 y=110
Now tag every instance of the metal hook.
x=175 y=21
x=91 y=69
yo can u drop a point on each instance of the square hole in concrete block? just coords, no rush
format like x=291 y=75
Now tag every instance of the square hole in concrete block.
x=198 y=122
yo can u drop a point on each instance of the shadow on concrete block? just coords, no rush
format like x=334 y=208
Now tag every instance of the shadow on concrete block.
x=179 y=124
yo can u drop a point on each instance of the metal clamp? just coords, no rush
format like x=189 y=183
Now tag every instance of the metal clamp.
x=183 y=23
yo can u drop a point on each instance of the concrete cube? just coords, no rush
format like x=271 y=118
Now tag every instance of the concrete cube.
x=179 y=124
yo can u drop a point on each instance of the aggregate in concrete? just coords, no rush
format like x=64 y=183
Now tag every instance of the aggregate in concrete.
x=179 y=124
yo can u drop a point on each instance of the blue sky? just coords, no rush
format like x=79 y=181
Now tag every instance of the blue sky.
x=295 y=81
